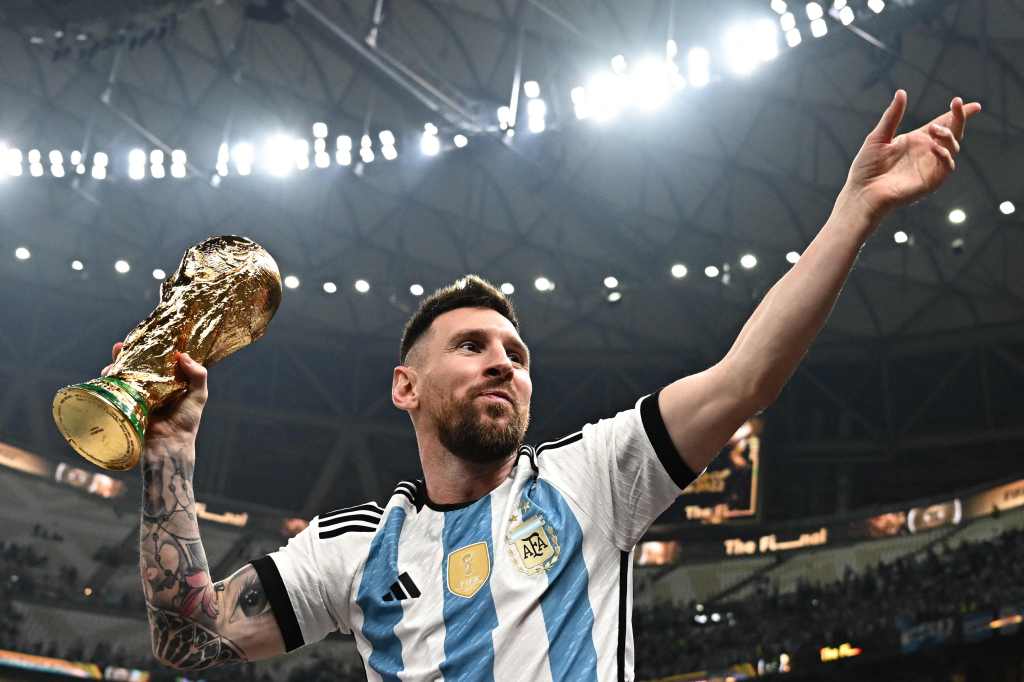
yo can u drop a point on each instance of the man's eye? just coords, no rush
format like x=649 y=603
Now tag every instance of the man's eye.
x=471 y=344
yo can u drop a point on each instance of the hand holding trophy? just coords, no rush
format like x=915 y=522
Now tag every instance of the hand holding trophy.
x=221 y=298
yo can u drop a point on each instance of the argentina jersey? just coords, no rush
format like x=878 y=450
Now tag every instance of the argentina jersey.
x=531 y=582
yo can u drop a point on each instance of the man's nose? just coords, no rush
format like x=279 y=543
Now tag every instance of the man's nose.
x=499 y=365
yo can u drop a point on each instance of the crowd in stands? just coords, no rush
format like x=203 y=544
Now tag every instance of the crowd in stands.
x=938 y=582
x=875 y=605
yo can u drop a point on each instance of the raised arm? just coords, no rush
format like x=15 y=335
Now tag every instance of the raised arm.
x=194 y=623
x=702 y=411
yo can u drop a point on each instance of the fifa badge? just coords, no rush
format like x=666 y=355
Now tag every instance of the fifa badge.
x=532 y=542
x=468 y=569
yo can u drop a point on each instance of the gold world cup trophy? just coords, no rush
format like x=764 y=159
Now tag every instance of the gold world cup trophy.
x=221 y=298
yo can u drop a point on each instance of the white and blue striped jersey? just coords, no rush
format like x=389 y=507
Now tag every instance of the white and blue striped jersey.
x=530 y=582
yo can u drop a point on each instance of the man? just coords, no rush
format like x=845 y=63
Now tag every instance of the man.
x=505 y=562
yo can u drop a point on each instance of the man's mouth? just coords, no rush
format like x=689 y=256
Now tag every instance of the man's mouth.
x=497 y=396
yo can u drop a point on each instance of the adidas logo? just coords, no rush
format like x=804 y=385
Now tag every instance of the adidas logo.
x=398 y=594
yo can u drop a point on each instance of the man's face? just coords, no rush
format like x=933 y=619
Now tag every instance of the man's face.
x=475 y=383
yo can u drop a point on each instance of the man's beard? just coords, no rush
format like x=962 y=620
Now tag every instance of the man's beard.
x=477 y=438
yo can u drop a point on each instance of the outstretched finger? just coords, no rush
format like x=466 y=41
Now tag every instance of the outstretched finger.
x=945 y=155
x=193 y=371
x=890 y=121
x=116 y=350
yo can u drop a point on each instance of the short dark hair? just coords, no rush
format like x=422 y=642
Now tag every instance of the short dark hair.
x=470 y=291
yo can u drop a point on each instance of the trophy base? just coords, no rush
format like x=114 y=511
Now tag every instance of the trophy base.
x=104 y=420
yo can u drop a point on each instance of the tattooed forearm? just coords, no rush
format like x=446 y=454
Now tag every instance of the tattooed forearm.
x=187 y=645
x=195 y=623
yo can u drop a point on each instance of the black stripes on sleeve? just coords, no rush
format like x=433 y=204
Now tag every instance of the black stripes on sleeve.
x=280 y=604
x=657 y=433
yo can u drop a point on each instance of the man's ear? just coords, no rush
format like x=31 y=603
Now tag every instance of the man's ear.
x=404 y=393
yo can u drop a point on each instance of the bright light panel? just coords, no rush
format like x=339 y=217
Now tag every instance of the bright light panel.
x=159 y=274
x=819 y=28
x=508 y=288
x=611 y=282
x=531 y=89
x=1007 y=208
x=21 y=253
x=429 y=144
x=122 y=267
x=957 y=216
x=876 y=6
x=748 y=261
x=291 y=281
x=698 y=65
x=460 y=140
x=711 y=271
x=416 y=290
x=679 y=271
x=330 y=287
x=362 y=286
x=792 y=257
x=900 y=237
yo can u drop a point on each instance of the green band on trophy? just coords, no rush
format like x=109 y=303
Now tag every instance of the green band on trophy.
x=127 y=410
x=139 y=398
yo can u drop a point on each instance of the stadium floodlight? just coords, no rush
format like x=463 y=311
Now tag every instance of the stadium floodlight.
x=22 y=253
x=531 y=89
x=651 y=82
x=504 y=117
x=157 y=172
x=386 y=138
x=876 y=6
x=366 y=142
x=839 y=4
x=508 y=288
x=793 y=37
x=366 y=154
x=330 y=287
x=100 y=159
x=156 y=156
x=819 y=28
x=300 y=149
x=159 y=274
x=606 y=95
x=322 y=159
x=179 y=156
x=679 y=271
x=619 y=64
x=137 y=172
x=98 y=172
x=787 y=21
x=1007 y=208
x=460 y=140
x=36 y=170
x=430 y=128
x=80 y=169
x=55 y=156
x=543 y=284
x=243 y=154
x=900 y=237
x=536 y=111
x=389 y=152
x=416 y=289
x=748 y=45
x=611 y=282
x=957 y=216
x=579 y=102
x=846 y=16
x=34 y=156
x=671 y=49
x=778 y=6
x=319 y=130
x=698 y=65
x=711 y=271
x=748 y=261
x=279 y=155
x=76 y=157
x=343 y=158
x=137 y=157
x=430 y=145
x=362 y=286
x=614 y=296
x=77 y=265
x=122 y=267
x=57 y=170
x=344 y=143
x=814 y=11
x=319 y=145
x=178 y=170
x=792 y=257
x=291 y=281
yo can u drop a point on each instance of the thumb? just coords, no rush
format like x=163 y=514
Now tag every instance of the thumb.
x=193 y=371
x=890 y=121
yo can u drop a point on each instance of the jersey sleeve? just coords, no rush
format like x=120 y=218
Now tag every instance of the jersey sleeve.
x=302 y=582
x=622 y=472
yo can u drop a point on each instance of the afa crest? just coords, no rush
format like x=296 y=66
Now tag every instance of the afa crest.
x=469 y=569
x=533 y=544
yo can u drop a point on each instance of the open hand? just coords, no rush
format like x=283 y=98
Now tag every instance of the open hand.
x=178 y=421
x=894 y=170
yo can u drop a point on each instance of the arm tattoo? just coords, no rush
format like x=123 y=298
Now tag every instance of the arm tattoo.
x=188 y=645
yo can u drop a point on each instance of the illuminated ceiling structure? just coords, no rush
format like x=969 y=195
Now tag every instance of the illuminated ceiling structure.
x=921 y=356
